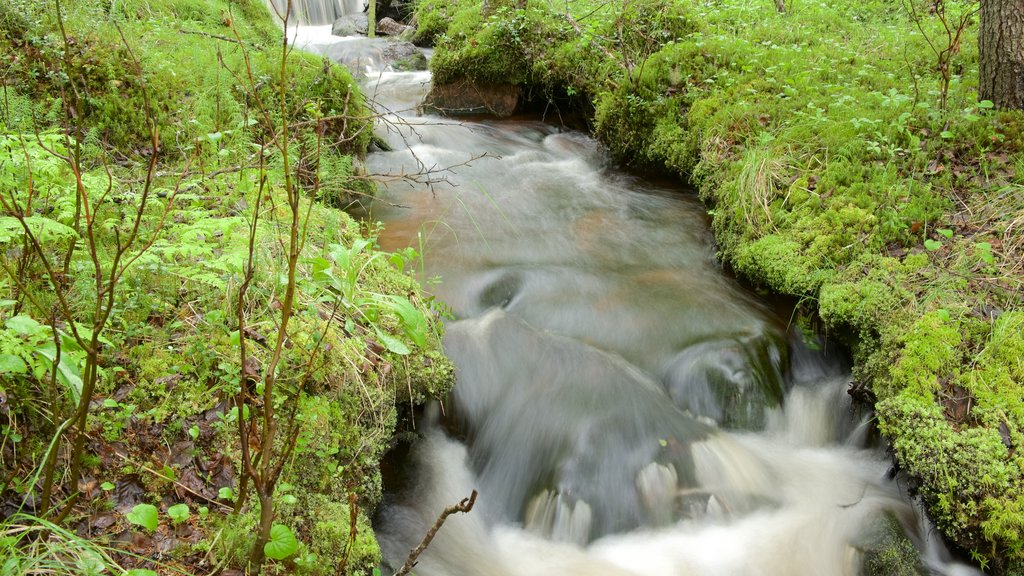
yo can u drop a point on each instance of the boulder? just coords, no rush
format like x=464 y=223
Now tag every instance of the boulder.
x=464 y=97
x=351 y=25
x=403 y=56
x=388 y=27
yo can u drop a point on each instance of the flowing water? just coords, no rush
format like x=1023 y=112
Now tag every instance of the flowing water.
x=623 y=406
x=315 y=12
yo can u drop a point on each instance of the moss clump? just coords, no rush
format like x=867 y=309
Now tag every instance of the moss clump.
x=888 y=552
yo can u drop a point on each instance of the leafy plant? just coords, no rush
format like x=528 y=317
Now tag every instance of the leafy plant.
x=178 y=513
x=144 y=515
x=282 y=543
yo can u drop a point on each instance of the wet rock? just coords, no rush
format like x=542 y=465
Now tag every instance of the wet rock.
x=388 y=27
x=576 y=472
x=887 y=551
x=730 y=381
x=403 y=57
x=467 y=98
x=351 y=25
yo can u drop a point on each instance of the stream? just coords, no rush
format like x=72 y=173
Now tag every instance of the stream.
x=623 y=406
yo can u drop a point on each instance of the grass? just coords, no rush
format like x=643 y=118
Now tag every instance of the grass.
x=817 y=140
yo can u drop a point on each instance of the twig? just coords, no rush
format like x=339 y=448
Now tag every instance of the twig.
x=215 y=37
x=465 y=506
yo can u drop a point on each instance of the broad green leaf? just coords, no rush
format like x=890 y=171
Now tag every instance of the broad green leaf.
x=932 y=245
x=90 y=563
x=107 y=486
x=413 y=321
x=985 y=104
x=25 y=325
x=141 y=572
x=392 y=344
x=945 y=232
x=178 y=513
x=144 y=515
x=67 y=369
x=943 y=314
x=11 y=364
x=282 y=543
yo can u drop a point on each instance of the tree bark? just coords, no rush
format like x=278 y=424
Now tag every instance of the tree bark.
x=1001 y=53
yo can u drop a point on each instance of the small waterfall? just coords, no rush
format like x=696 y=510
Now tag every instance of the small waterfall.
x=315 y=12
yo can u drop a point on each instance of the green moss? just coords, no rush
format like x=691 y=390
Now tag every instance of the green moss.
x=331 y=539
x=780 y=263
x=888 y=552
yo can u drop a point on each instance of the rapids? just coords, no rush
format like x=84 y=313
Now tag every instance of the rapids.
x=623 y=406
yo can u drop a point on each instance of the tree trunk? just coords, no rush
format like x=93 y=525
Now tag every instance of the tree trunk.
x=1001 y=53
x=371 y=19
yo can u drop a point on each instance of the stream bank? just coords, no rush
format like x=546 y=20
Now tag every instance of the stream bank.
x=107 y=105
x=831 y=175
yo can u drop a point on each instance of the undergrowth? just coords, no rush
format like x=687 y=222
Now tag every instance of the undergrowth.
x=142 y=171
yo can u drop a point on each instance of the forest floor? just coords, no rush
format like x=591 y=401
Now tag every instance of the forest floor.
x=172 y=189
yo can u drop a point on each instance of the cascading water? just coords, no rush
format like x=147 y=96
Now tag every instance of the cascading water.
x=622 y=407
x=314 y=12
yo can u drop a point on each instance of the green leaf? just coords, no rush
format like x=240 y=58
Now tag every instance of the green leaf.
x=107 y=486
x=11 y=364
x=986 y=104
x=945 y=232
x=943 y=314
x=25 y=325
x=110 y=403
x=932 y=245
x=289 y=499
x=414 y=323
x=193 y=432
x=946 y=135
x=225 y=493
x=67 y=369
x=144 y=515
x=391 y=343
x=178 y=513
x=141 y=572
x=282 y=543
x=90 y=563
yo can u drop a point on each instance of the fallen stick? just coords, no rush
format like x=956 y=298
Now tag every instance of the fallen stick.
x=465 y=506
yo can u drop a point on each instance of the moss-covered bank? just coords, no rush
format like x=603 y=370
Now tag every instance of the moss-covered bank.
x=817 y=140
x=81 y=93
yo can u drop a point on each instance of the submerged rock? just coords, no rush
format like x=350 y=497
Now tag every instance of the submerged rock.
x=731 y=381
x=604 y=450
